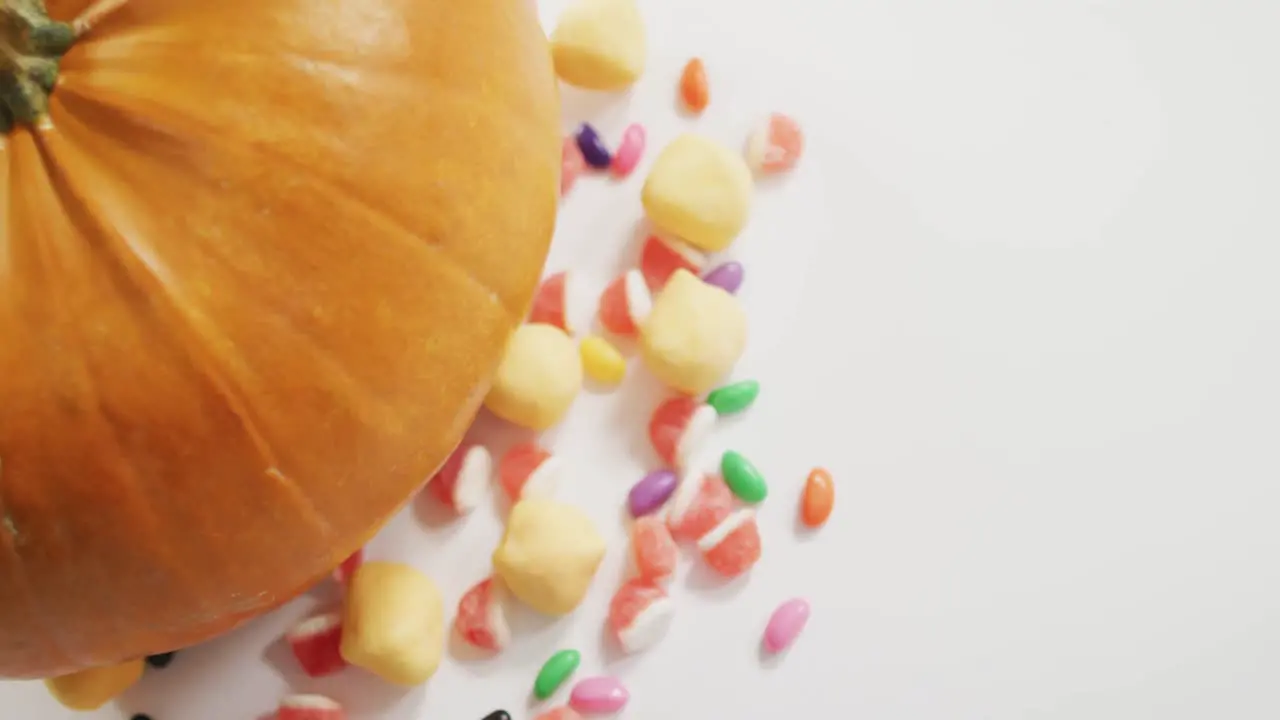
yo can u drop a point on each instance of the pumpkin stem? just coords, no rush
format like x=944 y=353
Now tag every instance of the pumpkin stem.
x=31 y=45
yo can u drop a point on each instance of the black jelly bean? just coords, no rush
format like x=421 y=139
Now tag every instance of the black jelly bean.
x=140 y=716
x=160 y=661
x=593 y=148
x=498 y=715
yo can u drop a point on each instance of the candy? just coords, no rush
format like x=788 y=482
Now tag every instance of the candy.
x=309 y=707
x=315 y=643
x=640 y=615
x=461 y=483
x=679 y=427
x=160 y=661
x=733 y=547
x=625 y=304
x=593 y=148
x=661 y=257
x=694 y=335
x=785 y=625
x=700 y=503
x=342 y=574
x=548 y=555
x=735 y=398
x=601 y=361
x=393 y=624
x=529 y=470
x=694 y=91
x=698 y=191
x=91 y=689
x=653 y=550
x=726 y=276
x=629 y=151
x=560 y=713
x=775 y=146
x=555 y=671
x=480 y=620
x=599 y=695
x=819 y=498
x=743 y=478
x=599 y=44
x=498 y=715
x=572 y=165
x=538 y=378
x=551 y=303
x=651 y=492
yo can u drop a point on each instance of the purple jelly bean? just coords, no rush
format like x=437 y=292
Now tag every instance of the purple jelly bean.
x=651 y=492
x=727 y=276
x=593 y=147
x=598 y=696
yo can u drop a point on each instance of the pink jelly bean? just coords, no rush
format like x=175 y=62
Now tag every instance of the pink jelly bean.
x=629 y=150
x=785 y=624
x=599 y=696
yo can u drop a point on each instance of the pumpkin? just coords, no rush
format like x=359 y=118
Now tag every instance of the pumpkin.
x=258 y=263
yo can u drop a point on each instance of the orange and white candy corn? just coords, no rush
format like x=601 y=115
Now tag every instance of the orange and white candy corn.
x=775 y=146
x=640 y=615
x=529 y=470
x=625 y=304
x=732 y=547
x=481 y=620
x=309 y=707
x=463 y=480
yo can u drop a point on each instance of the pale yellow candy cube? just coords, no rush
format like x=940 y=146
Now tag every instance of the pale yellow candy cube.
x=538 y=378
x=393 y=623
x=599 y=44
x=694 y=335
x=699 y=191
x=548 y=555
x=93 y=688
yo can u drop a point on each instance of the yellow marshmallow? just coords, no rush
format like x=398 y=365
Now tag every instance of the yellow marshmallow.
x=538 y=379
x=93 y=688
x=602 y=361
x=699 y=191
x=393 y=623
x=549 y=555
x=599 y=44
x=694 y=335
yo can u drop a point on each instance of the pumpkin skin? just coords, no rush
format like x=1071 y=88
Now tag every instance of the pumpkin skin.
x=256 y=273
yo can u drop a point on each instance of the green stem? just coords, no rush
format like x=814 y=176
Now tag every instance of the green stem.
x=31 y=45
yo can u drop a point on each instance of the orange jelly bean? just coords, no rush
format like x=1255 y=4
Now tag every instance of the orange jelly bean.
x=693 y=86
x=819 y=498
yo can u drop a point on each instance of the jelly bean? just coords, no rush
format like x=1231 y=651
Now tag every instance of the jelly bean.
x=601 y=361
x=560 y=713
x=727 y=276
x=625 y=304
x=549 y=555
x=572 y=165
x=551 y=302
x=651 y=492
x=653 y=550
x=529 y=470
x=481 y=620
x=139 y=716
x=555 y=671
x=599 y=695
x=593 y=148
x=819 y=498
x=640 y=615
x=309 y=707
x=160 y=661
x=599 y=44
x=679 y=427
x=661 y=257
x=342 y=574
x=699 y=504
x=694 y=90
x=538 y=378
x=694 y=335
x=315 y=644
x=462 y=481
x=698 y=191
x=393 y=623
x=743 y=478
x=733 y=547
x=785 y=625
x=734 y=398
x=91 y=689
x=775 y=146
x=629 y=151
x=498 y=715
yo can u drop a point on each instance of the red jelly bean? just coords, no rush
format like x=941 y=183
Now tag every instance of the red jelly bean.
x=661 y=257
x=653 y=549
x=551 y=302
x=732 y=547
x=640 y=615
x=309 y=707
x=678 y=428
x=701 y=503
x=625 y=304
x=481 y=620
x=315 y=643
x=528 y=470
x=462 y=481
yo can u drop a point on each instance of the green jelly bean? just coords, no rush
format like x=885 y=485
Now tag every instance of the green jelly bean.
x=554 y=672
x=743 y=478
x=734 y=398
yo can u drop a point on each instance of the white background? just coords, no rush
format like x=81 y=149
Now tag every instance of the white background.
x=1021 y=298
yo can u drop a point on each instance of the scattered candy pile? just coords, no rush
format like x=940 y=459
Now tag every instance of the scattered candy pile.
x=691 y=332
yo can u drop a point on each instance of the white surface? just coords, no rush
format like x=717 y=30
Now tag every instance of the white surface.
x=1021 y=299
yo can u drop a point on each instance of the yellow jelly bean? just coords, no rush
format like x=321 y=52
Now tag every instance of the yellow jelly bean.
x=602 y=361
x=699 y=191
x=93 y=688
x=549 y=555
x=538 y=378
x=694 y=335
x=393 y=623
x=599 y=44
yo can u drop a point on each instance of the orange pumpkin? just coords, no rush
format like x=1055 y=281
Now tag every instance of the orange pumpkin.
x=258 y=262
